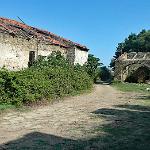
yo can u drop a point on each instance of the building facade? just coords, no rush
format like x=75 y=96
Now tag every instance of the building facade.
x=20 y=45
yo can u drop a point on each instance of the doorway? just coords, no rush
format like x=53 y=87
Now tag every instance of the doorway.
x=31 y=58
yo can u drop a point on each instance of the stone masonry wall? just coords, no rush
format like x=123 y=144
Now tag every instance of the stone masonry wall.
x=127 y=63
x=14 y=51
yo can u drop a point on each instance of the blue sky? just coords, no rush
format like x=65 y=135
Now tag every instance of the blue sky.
x=98 y=24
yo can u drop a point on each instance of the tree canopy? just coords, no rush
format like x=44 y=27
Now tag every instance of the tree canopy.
x=92 y=66
x=105 y=74
x=133 y=43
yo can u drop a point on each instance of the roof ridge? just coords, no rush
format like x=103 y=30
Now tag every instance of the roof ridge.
x=39 y=33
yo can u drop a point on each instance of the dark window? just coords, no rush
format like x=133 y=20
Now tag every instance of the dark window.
x=31 y=58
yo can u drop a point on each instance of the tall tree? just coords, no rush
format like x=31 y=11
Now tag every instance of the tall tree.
x=92 y=66
x=133 y=43
x=105 y=74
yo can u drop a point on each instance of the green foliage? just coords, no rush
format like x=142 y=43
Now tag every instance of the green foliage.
x=92 y=66
x=49 y=78
x=131 y=87
x=112 y=63
x=55 y=59
x=134 y=43
x=4 y=107
x=105 y=74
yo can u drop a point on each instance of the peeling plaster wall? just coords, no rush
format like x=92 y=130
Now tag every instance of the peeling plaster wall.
x=14 y=51
x=80 y=56
x=46 y=49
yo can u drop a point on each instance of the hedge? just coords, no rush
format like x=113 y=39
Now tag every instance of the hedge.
x=49 y=78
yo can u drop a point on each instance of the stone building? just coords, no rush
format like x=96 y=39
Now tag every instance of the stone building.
x=20 y=45
x=133 y=67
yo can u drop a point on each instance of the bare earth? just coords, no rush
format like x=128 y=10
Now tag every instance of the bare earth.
x=72 y=118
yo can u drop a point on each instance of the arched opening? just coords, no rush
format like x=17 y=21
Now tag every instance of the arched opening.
x=141 y=75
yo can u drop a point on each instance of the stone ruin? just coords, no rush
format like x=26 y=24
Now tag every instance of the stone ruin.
x=133 y=67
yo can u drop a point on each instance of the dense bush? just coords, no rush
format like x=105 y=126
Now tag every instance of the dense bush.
x=50 y=77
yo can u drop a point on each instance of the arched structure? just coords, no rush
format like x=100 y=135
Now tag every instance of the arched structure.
x=133 y=67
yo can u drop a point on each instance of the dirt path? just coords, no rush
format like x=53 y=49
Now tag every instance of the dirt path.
x=71 y=119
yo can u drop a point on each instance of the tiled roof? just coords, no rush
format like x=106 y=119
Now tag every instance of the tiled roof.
x=19 y=29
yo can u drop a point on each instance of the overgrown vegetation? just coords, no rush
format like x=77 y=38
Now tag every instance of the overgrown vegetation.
x=49 y=78
x=132 y=87
x=134 y=43
x=96 y=70
x=105 y=74
x=92 y=67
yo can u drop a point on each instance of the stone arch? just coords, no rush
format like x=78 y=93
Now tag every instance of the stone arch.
x=141 y=74
x=127 y=64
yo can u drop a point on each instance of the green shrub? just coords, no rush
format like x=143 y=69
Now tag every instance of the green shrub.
x=92 y=67
x=48 y=78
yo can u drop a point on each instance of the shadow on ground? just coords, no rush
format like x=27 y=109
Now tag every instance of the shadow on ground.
x=143 y=97
x=127 y=128
x=39 y=141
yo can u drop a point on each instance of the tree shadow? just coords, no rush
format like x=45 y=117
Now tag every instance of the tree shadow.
x=135 y=107
x=127 y=127
x=40 y=141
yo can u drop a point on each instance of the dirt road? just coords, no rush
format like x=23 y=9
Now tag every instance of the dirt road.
x=71 y=119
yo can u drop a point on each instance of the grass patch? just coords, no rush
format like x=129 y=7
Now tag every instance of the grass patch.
x=6 y=107
x=131 y=87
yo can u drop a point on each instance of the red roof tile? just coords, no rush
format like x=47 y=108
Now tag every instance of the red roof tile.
x=18 y=28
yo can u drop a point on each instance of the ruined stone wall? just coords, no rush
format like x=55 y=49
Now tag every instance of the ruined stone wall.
x=127 y=63
x=118 y=70
x=14 y=51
